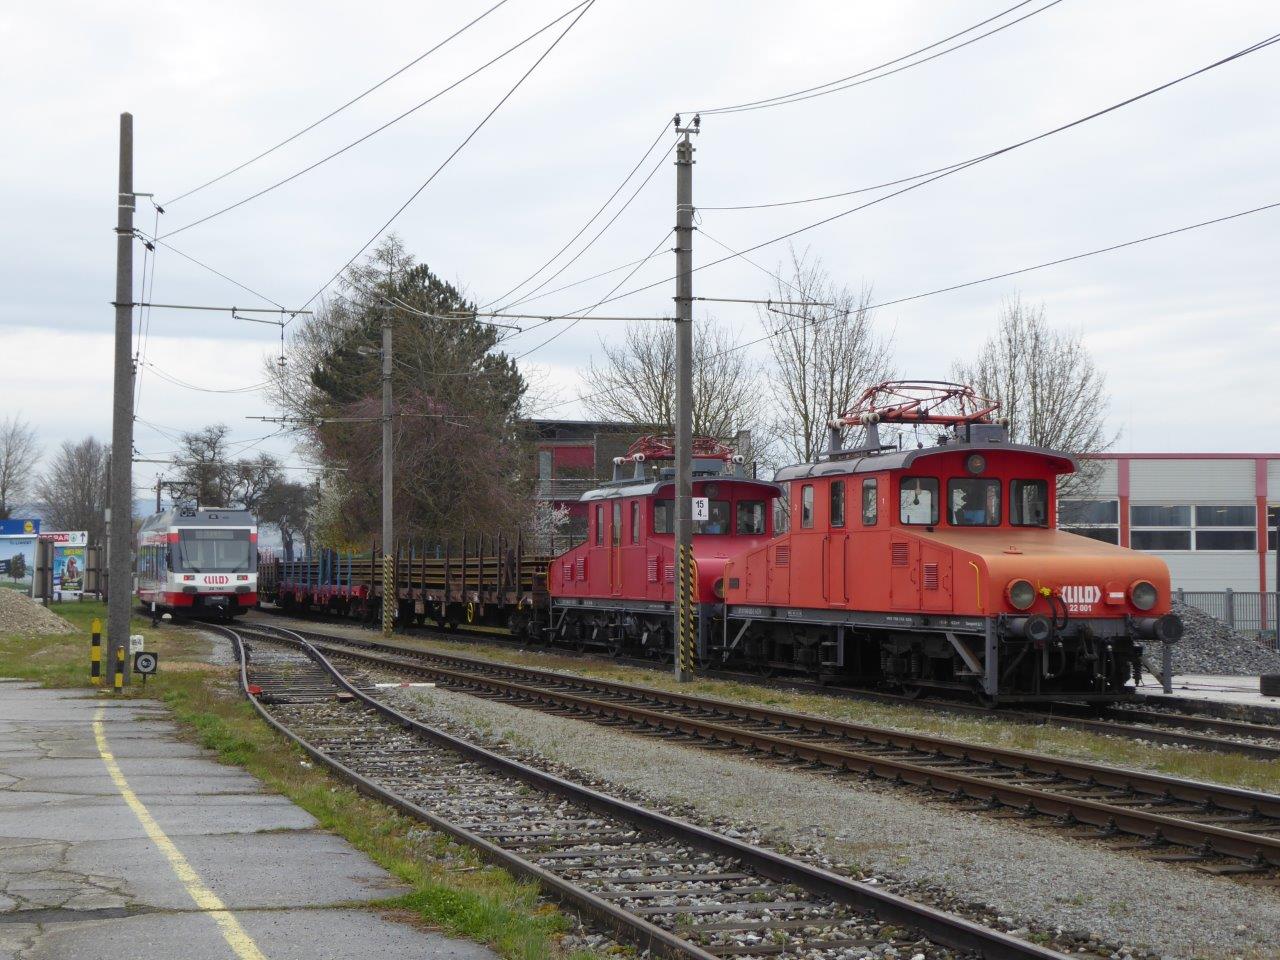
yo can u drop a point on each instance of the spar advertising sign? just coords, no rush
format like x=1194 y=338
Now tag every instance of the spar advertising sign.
x=18 y=540
x=69 y=559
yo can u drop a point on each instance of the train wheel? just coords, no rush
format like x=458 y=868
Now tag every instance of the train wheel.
x=912 y=692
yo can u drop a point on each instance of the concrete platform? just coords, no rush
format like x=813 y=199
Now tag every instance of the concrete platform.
x=119 y=840
x=1225 y=690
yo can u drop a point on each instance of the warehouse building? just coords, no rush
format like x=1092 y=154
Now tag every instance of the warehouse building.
x=1205 y=514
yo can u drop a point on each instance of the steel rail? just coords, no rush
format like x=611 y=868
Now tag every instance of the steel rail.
x=1109 y=817
x=1193 y=731
x=938 y=925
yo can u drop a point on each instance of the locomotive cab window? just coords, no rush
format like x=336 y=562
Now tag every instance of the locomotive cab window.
x=806 y=506
x=973 y=502
x=1029 y=503
x=870 y=504
x=919 y=500
x=599 y=523
x=750 y=518
x=717 y=518
x=635 y=521
x=615 y=526
x=662 y=516
x=837 y=503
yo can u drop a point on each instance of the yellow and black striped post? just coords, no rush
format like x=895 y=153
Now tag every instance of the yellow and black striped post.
x=95 y=653
x=389 y=594
x=687 y=573
x=119 y=677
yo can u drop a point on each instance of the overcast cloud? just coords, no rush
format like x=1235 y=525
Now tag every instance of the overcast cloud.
x=1178 y=324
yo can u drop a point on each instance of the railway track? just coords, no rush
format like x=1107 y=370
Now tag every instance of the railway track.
x=1222 y=830
x=654 y=881
x=1163 y=724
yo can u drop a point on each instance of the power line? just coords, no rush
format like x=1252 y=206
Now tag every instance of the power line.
x=973 y=283
x=583 y=229
x=376 y=131
x=164 y=375
x=586 y=311
x=844 y=83
x=1253 y=48
x=834 y=196
x=333 y=113
x=570 y=262
x=205 y=266
x=587 y=5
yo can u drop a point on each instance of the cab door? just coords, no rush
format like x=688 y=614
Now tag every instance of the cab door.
x=615 y=548
x=837 y=590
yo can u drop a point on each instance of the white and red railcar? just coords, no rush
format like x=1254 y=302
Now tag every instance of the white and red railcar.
x=194 y=561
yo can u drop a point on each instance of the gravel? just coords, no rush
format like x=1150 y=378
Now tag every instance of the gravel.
x=21 y=615
x=1020 y=876
x=1209 y=646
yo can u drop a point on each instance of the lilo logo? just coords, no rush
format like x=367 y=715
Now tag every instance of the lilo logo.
x=1080 y=598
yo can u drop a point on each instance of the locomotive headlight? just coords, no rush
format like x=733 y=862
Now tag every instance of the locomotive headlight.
x=718 y=588
x=1020 y=593
x=976 y=463
x=1143 y=594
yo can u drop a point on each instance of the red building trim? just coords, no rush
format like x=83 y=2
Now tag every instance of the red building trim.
x=1181 y=456
x=1122 y=489
x=1260 y=491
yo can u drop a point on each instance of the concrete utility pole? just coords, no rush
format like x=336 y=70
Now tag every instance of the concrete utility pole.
x=388 y=554
x=685 y=573
x=120 y=584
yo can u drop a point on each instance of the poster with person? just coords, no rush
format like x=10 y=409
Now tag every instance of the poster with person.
x=70 y=548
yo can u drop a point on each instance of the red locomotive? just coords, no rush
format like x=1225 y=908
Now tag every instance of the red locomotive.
x=617 y=590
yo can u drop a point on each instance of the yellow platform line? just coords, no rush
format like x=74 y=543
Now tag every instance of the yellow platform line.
x=236 y=936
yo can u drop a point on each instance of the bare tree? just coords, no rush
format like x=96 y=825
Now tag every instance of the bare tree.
x=19 y=453
x=824 y=356
x=74 y=488
x=208 y=475
x=636 y=381
x=1045 y=381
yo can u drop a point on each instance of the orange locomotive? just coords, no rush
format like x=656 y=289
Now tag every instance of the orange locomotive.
x=939 y=567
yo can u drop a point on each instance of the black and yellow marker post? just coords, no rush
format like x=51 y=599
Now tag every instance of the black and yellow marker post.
x=119 y=678
x=95 y=654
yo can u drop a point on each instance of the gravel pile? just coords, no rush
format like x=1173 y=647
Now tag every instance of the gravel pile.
x=1209 y=646
x=20 y=614
x=1029 y=881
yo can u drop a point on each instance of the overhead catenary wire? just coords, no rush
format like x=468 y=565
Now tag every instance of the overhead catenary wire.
x=333 y=113
x=394 y=120
x=861 y=77
x=583 y=229
x=582 y=11
x=586 y=311
x=1252 y=48
x=213 y=270
x=990 y=278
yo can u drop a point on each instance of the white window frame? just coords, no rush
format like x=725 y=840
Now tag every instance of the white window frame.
x=1192 y=528
x=1090 y=526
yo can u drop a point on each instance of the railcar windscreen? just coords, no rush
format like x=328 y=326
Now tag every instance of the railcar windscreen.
x=213 y=550
x=919 y=500
x=973 y=502
x=1029 y=503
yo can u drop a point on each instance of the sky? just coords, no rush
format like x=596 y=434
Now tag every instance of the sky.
x=1177 y=324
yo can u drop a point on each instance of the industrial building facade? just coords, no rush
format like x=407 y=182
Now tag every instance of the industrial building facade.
x=1205 y=514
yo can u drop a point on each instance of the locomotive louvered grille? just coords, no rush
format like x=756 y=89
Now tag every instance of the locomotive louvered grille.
x=581 y=563
x=567 y=569
x=654 y=563
x=898 y=552
x=782 y=556
x=670 y=572
x=931 y=576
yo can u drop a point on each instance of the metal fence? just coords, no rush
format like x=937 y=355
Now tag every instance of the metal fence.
x=1245 y=611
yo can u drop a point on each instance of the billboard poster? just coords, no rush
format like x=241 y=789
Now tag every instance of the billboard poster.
x=68 y=572
x=18 y=563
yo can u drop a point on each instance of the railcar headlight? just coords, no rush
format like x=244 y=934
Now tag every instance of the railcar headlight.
x=1021 y=594
x=1143 y=594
